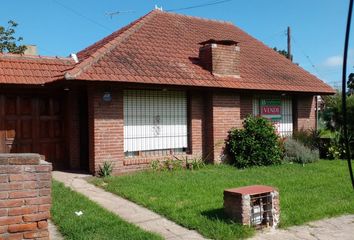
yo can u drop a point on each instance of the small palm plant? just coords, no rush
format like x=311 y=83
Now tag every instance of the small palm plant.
x=105 y=170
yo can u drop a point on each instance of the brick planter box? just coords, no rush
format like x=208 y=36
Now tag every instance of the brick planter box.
x=256 y=206
x=25 y=200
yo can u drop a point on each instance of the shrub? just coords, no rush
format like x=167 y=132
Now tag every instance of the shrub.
x=194 y=164
x=177 y=164
x=295 y=151
x=105 y=170
x=257 y=144
x=166 y=165
x=170 y=164
x=310 y=138
x=333 y=117
x=336 y=148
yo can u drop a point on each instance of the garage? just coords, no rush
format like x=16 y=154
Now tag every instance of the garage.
x=33 y=124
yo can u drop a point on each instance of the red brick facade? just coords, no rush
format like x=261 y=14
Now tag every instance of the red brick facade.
x=305 y=113
x=196 y=115
x=211 y=115
x=222 y=114
x=25 y=200
x=105 y=129
x=246 y=102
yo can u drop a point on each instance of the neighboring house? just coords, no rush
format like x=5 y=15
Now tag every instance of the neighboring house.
x=165 y=85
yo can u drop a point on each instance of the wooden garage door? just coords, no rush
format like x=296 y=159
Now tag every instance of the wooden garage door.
x=32 y=124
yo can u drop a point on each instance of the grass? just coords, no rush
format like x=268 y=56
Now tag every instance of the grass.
x=95 y=223
x=194 y=199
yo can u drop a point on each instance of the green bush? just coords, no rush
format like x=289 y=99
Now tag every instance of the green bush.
x=295 y=151
x=332 y=113
x=336 y=148
x=257 y=144
x=333 y=118
x=310 y=138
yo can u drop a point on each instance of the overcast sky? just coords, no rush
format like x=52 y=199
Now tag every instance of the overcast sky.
x=61 y=27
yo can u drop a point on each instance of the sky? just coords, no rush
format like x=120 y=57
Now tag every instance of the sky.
x=61 y=27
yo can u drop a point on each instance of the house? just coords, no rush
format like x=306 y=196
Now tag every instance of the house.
x=165 y=85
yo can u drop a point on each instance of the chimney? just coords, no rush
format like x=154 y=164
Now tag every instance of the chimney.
x=220 y=57
x=31 y=50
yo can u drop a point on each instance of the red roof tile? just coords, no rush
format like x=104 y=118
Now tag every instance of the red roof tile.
x=250 y=190
x=23 y=69
x=163 y=48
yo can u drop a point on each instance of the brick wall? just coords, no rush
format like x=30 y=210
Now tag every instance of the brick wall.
x=305 y=115
x=25 y=200
x=105 y=129
x=246 y=103
x=222 y=114
x=196 y=115
x=221 y=59
x=211 y=116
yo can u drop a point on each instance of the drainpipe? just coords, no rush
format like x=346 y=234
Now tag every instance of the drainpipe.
x=316 y=123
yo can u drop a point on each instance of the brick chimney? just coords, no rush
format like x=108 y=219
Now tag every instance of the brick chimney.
x=220 y=57
x=31 y=50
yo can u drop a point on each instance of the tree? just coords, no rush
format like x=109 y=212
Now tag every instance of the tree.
x=9 y=43
x=351 y=83
x=282 y=52
x=333 y=116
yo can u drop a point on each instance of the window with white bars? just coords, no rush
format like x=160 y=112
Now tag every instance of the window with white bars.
x=285 y=125
x=155 y=122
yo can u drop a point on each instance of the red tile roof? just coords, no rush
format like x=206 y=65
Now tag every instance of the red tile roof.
x=23 y=69
x=162 y=48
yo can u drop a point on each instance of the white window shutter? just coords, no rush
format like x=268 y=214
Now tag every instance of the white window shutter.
x=154 y=120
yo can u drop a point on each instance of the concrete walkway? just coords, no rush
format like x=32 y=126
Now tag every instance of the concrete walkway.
x=127 y=210
x=54 y=234
x=340 y=228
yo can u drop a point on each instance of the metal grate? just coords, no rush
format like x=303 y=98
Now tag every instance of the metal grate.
x=261 y=210
x=155 y=122
x=285 y=125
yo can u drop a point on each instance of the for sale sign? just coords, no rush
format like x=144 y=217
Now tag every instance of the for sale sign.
x=271 y=109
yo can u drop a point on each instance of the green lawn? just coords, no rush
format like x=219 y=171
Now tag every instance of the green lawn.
x=95 y=223
x=195 y=198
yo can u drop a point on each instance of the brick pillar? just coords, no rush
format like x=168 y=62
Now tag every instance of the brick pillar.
x=246 y=103
x=222 y=114
x=305 y=115
x=238 y=204
x=25 y=200
x=196 y=123
x=106 y=127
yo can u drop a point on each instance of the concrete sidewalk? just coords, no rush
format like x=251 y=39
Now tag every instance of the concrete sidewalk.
x=125 y=209
x=54 y=234
x=340 y=228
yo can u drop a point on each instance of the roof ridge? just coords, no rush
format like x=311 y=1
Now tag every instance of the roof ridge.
x=109 y=46
x=36 y=57
x=198 y=18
